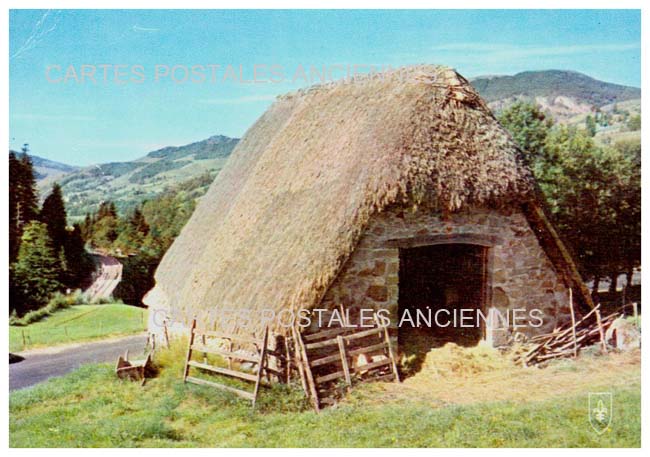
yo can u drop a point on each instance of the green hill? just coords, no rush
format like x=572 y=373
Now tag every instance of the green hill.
x=554 y=83
x=129 y=183
x=562 y=94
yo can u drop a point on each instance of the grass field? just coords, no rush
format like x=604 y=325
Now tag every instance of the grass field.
x=91 y=408
x=79 y=323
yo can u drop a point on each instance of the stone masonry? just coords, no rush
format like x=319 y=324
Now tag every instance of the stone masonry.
x=520 y=274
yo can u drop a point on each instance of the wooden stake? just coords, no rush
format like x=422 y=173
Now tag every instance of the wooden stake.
x=344 y=361
x=298 y=362
x=308 y=374
x=573 y=323
x=260 y=365
x=635 y=309
x=166 y=333
x=186 y=372
x=600 y=330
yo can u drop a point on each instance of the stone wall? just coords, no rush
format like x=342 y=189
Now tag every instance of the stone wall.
x=521 y=275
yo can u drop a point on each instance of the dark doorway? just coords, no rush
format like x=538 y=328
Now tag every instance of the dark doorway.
x=447 y=277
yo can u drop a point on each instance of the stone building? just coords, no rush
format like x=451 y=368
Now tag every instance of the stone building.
x=399 y=192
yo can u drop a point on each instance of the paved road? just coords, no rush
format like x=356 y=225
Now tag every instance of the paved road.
x=110 y=275
x=40 y=365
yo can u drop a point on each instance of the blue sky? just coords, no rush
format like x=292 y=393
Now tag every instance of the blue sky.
x=128 y=115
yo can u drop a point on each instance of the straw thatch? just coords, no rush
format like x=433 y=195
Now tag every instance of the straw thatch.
x=286 y=211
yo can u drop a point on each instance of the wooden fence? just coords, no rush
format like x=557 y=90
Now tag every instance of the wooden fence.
x=326 y=360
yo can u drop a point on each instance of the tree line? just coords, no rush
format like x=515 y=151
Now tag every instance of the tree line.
x=593 y=191
x=142 y=236
x=45 y=254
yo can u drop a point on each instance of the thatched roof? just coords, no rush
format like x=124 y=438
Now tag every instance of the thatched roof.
x=286 y=211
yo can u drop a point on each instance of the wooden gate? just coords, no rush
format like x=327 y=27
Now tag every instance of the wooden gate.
x=327 y=359
x=255 y=355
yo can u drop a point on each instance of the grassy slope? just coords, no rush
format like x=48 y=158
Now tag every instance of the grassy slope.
x=91 y=408
x=80 y=323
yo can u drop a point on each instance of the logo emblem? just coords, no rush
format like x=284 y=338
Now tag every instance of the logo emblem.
x=600 y=411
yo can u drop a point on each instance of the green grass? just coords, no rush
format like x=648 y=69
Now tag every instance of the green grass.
x=79 y=323
x=91 y=408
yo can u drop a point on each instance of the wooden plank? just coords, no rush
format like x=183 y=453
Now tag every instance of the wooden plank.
x=188 y=357
x=223 y=371
x=372 y=365
x=330 y=377
x=260 y=365
x=326 y=333
x=364 y=334
x=226 y=354
x=363 y=350
x=326 y=360
x=391 y=354
x=344 y=361
x=229 y=336
x=601 y=331
x=573 y=323
x=241 y=393
x=299 y=363
x=308 y=373
x=321 y=344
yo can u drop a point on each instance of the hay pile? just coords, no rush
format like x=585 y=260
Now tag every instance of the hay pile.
x=288 y=208
x=452 y=361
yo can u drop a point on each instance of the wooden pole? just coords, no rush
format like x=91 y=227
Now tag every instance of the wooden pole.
x=298 y=362
x=573 y=323
x=344 y=362
x=635 y=310
x=166 y=333
x=186 y=372
x=600 y=330
x=310 y=379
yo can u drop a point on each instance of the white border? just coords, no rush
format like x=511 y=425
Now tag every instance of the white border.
x=333 y=4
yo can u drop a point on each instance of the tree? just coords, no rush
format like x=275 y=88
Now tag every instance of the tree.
x=77 y=259
x=592 y=194
x=22 y=198
x=26 y=190
x=53 y=214
x=529 y=127
x=37 y=269
x=634 y=123
x=590 y=125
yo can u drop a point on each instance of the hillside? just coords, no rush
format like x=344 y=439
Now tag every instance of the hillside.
x=564 y=94
x=46 y=169
x=129 y=183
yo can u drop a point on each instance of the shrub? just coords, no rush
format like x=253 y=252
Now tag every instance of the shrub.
x=57 y=302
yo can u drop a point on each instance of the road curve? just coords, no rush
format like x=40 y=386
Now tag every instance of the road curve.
x=41 y=364
x=110 y=275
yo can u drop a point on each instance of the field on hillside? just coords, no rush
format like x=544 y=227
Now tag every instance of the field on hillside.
x=79 y=323
x=481 y=403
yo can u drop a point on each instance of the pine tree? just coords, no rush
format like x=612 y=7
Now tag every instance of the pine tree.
x=37 y=268
x=25 y=188
x=78 y=261
x=14 y=231
x=53 y=214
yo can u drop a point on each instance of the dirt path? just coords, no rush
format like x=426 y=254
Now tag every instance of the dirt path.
x=40 y=364
x=110 y=275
